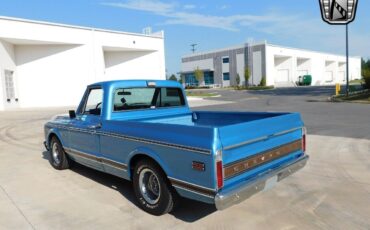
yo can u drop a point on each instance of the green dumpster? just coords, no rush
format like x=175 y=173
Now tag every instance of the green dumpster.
x=305 y=80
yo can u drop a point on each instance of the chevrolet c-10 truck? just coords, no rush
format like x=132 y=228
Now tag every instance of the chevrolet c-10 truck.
x=145 y=132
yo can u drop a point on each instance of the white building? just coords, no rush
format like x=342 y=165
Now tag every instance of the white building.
x=280 y=65
x=45 y=64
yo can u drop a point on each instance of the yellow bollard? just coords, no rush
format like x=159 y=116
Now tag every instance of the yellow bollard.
x=337 y=89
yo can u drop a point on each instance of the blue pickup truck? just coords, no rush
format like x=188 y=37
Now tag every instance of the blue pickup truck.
x=145 y=132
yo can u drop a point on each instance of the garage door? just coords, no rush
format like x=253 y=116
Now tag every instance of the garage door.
x=341 y=76
x=329 y=76
x=302 y=72
x=282 y=76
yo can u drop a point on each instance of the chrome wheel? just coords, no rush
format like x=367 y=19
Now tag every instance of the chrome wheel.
x=149 y=185
x=55 y=153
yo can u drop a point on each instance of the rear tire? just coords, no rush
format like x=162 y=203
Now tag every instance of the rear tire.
x=58 y=157
x=153 y=192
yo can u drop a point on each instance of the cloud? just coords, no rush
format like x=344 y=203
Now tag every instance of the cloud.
x=231 y=23
x=297 y=29
x=224 y=7
x=316 y=35
x=189 y=7
x=178 y=17
x=152 y=6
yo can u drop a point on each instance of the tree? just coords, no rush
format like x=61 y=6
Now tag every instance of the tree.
x=181 y=77
x=366 y=76
x=237 y=79
x=365 y=64
x=173 y=77
x=198 y=73
x=246 y=76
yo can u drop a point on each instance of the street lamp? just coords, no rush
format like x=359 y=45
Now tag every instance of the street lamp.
x=347 y=63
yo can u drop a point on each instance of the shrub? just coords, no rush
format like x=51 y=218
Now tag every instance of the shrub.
x=263 y=81
x=246 y=75
x=237 y=79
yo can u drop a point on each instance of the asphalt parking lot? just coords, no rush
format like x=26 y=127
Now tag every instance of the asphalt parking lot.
x=331 y=192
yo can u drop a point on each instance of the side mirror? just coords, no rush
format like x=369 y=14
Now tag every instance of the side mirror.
x=72 y=114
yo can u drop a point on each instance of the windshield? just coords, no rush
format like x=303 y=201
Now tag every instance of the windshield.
x=147 y=98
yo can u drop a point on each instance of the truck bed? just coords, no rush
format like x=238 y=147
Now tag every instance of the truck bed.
x=211 y=119
x=244 y=135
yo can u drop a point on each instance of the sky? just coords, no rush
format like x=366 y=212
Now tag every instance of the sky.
x=210 y=24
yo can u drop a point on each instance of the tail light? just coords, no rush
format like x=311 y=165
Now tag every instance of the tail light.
x=304 y=132
x=219 y=170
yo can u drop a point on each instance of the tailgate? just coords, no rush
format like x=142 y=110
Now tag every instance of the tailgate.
x=251 y=148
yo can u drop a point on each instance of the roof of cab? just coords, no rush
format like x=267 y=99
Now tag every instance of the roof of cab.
x=136 y=83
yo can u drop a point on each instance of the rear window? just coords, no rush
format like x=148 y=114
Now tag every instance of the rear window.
x=147 y=98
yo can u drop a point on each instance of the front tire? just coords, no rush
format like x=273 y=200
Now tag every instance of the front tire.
x=154 y=193
x=58 y=158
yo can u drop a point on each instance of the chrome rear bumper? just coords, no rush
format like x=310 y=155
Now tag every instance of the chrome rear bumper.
x=240 y=192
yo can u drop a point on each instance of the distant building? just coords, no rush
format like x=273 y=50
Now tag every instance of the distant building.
x=46 y=64
x=280 y=65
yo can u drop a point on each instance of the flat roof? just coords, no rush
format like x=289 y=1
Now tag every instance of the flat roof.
x=312 y=51
x=259 y=43
x=222 y=49
x=158 y=34
x=213 y=51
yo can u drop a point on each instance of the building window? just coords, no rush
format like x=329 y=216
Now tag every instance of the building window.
x=190 y=80
x=208 y=78
x=226 y=76
x=225 y=60
x=9 y=85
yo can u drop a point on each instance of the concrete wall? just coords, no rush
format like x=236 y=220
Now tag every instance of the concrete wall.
x=125 y=65
x=315 y=64
x=240 y=64
x=53 y=63
x=7 y=62
x=205 y=64
x=269 y=61
x=52 y=75
x=257 y=63
x=213 y=61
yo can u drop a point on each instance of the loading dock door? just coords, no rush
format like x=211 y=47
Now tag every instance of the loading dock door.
x=282 y=76
x=329 y=76
x=341 y=76
x=302 y=72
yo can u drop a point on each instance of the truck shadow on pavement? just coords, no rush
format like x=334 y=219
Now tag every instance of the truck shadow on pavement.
x=187 y=210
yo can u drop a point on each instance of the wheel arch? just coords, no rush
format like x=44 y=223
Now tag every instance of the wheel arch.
x=145 y=153
x=51 y=134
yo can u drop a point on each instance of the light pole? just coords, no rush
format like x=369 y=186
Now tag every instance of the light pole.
x=193 y=47
x=347 y=64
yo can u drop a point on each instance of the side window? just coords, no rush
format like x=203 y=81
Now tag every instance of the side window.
x=94 y=102
x=170 y=97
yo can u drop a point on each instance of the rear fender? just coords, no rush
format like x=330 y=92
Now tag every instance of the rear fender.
x=149 y=153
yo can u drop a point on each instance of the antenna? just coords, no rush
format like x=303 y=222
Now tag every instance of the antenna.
x=193 y=47
x=147 y=30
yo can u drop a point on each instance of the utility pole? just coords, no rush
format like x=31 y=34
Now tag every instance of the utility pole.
x=347 y=64
x=193 y=47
